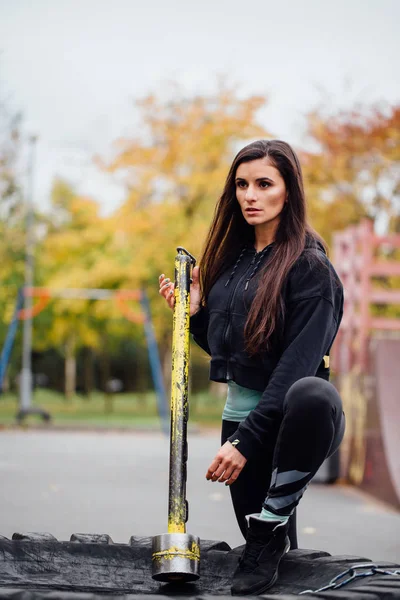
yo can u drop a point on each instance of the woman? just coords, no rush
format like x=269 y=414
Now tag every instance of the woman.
x=267 y=307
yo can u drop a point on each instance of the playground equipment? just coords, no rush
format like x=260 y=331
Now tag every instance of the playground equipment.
x=121 y=298
x=176 y=554
x=365 y=356
x=356 y=263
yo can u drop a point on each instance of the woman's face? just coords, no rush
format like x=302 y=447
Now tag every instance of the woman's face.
x=260 y=191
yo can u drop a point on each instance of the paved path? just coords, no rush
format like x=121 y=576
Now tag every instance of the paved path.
x=66 y=482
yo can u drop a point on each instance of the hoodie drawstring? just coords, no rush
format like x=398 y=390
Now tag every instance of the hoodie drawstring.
x=256 y=267
x=236 y=266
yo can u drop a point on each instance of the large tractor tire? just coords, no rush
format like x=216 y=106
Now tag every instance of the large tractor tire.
x=91 y=567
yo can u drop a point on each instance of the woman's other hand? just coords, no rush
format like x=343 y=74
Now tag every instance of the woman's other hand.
x=227 y=465
x=167 y=290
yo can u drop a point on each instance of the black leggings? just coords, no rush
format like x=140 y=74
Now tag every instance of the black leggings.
x=311 y=430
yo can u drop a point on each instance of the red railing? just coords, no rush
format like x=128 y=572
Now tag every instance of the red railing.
x=355 y=259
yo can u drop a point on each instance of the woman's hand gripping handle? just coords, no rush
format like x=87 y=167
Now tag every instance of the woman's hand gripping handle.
x=167 y=291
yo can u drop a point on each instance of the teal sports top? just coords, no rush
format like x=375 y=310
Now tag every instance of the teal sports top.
x=239 y=402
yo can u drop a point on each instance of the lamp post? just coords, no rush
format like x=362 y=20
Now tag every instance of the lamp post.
x=26 y=374
x=25 y=403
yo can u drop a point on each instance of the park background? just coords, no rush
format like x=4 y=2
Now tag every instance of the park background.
x=118 y=122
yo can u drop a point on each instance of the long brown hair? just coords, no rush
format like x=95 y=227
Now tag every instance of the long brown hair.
x=229 y=231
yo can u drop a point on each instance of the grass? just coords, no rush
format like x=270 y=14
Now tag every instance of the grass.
x=99 y=411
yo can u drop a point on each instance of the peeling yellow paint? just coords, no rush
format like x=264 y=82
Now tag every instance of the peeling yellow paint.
x=179 y=394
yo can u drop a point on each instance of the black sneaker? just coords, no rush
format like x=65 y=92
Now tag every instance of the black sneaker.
x=267 y=542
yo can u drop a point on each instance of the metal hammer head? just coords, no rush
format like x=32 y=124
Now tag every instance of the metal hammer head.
x=176 y=557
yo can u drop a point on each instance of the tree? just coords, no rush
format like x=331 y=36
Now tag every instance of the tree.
x=12 y=230
x=75 y=242
x=356 y=169
x=355 y=174
x=10 y=149
x=174 y=173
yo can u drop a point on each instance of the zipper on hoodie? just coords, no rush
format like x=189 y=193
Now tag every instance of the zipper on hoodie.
x=230 y=304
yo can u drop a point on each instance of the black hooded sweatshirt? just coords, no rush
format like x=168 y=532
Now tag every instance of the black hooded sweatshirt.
x=313 y=300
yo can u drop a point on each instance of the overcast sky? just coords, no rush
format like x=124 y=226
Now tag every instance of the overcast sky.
x=74 y=66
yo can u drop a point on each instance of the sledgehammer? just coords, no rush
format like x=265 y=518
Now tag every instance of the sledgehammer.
x=176 y=554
